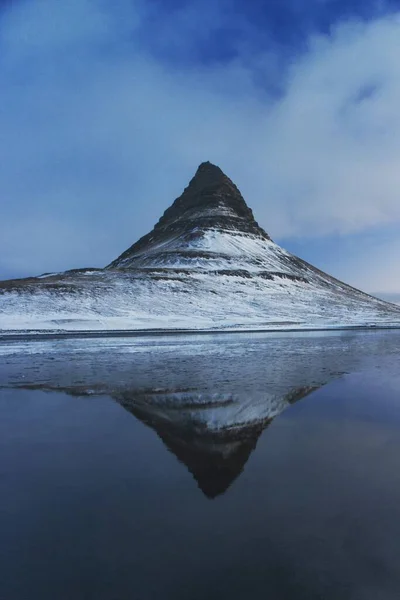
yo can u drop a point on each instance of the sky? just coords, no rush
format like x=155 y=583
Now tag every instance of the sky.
x=107 y=107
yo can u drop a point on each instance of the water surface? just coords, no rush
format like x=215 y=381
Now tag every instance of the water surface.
x=212 y=467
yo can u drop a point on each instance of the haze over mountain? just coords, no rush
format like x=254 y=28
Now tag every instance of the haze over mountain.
x=207 y=264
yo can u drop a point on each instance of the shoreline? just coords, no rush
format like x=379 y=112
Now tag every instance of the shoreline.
x=40 y=335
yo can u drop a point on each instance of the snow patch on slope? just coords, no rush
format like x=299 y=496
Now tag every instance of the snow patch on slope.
x=198 y=300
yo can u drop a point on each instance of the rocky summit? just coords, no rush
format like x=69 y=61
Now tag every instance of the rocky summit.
x=206 y=265
x=210 y=202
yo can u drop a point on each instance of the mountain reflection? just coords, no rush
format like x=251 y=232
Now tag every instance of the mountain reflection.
x=208 y=400
x=212 y=437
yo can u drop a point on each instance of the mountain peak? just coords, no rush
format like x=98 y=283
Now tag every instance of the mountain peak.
x=209 y=176
x=211 y=201
x=209 y=171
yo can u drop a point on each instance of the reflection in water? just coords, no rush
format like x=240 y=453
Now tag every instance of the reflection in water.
x=208 y=400
x=94 y=506
x=212 y=436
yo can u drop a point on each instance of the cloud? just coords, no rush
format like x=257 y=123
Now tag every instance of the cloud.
x=337 y=132
x=99 y=133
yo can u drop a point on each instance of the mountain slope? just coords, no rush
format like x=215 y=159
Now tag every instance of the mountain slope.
x=207 y=264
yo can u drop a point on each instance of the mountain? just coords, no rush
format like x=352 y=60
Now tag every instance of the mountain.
x=207 y=264
x=198 y=228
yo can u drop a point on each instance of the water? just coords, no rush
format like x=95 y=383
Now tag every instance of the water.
x=263 y=466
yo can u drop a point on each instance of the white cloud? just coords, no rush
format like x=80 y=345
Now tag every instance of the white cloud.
x=99 y=136
x=339 y=152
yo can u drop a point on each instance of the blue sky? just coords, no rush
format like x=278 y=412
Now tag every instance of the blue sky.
x=107 y=108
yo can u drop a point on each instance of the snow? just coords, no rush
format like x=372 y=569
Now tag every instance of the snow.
x=45 y=275
x=215 y=280
x=221 y=247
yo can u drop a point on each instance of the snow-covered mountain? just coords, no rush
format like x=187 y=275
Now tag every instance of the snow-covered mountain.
x=207 y=264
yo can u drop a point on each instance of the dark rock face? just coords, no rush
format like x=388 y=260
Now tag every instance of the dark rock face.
x=211 y=201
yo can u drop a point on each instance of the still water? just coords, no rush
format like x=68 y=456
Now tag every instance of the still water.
x=240 y=467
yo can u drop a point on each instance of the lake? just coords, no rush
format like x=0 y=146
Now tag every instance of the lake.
x=210 y=467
